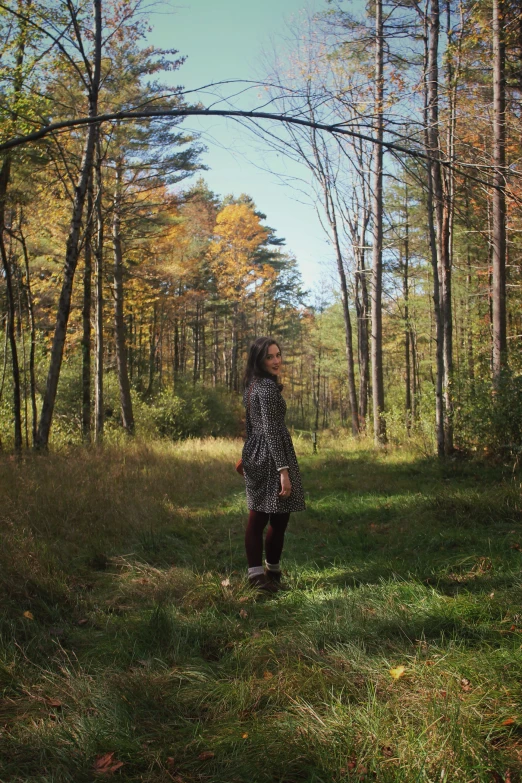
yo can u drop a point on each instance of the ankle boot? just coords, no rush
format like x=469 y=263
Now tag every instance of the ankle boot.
x=275 y=578
x=260 y=582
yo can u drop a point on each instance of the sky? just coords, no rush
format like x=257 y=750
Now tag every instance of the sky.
x=227 y=39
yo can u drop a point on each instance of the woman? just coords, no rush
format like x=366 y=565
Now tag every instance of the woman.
x=272 y=478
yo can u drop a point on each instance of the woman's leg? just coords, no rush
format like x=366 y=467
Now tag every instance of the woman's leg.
x=257 y=521
x=275 y=538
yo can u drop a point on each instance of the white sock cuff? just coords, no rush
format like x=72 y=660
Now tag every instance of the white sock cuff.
x=273 y=566
x=256 y=571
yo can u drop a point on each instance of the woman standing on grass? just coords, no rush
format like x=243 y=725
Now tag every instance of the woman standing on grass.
x=272 y=478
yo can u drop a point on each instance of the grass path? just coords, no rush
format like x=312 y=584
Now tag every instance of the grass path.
x=131 y=648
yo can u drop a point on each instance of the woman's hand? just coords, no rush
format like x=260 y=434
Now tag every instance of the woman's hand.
x=286 y=484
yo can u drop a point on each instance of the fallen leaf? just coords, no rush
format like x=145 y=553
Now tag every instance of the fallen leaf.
x=508 y=721
x=206 y=755
x=103 y=761
x=83 y=621
x=105 y=765
x=516 y=546
x=386 y=751
x=225 y=582
x=429 y=663
x=29 y=615
x=397 y=672
x=243 y=614
x=170 y=762
x=245 y=735
x=267 y=675
x=465 y=685
x=243 y=599
x=54 y=703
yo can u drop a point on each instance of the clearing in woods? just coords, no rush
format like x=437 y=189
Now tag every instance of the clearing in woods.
x=131 y=646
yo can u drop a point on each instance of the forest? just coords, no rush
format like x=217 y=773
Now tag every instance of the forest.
x=130 y=291
x=132 y=644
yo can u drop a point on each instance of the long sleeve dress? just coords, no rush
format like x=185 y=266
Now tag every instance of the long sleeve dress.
x=268 y=447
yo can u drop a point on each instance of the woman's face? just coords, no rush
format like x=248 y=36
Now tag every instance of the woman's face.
x=273 y=360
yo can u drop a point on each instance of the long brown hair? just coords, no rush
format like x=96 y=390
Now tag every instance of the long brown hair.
x=255 y=362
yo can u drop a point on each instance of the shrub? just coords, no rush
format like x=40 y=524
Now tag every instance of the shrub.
x=189 y=412
x=492 y=420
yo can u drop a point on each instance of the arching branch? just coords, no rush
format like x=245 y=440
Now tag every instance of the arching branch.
x=336 y=129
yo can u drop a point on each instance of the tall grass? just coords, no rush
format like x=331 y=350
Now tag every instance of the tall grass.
x=127 y=627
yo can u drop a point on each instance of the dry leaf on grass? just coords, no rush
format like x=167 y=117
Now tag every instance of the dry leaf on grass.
x=206 y=755
x=245 y=735
x=106 y=765
x=54 y=703
x=397 y=672
x=83 y=621
x=225 y=582
x=28 y=615
x=465 y=685
x=243 y=614
x=267 y=675
x=508 y=721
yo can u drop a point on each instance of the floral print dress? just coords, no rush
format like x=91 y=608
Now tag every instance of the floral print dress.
x=267 y=449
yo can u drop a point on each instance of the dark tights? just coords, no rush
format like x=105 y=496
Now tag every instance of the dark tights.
x=275 y=537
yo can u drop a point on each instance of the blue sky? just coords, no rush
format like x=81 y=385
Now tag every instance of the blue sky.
x=226 y=39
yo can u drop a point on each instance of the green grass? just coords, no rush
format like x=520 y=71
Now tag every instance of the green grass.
x=136 y=648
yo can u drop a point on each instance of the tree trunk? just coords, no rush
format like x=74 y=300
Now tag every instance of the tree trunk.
x=152 y=349
x=434 y=209
x=215 y=348
x=127 y=416
x=5 y=174
x=499 y=352
x=11 y=309
x=32 y=326
x=72 y=248
x=363 y=313
x=176 y=349
x=407 y=331
x=98 y=314
x=234 y=351
x=86 y=320
x=352 y=393
x=195 y=330
x=379 y=423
